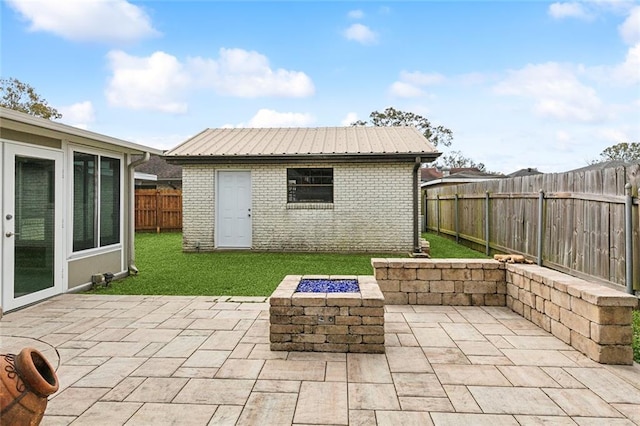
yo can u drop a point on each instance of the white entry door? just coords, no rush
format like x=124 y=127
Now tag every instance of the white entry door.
x=233 y=219
x=31 y=225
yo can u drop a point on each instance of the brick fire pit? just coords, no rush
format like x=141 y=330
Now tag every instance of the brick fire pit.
x=327 y=322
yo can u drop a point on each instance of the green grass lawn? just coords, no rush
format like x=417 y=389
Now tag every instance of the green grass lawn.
x=444 y=248
x=165 y=269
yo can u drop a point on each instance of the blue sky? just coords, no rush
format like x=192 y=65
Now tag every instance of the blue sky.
x=521 y=84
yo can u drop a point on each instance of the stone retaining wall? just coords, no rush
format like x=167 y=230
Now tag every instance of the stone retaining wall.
x=592 y=318
x=327 y=322
x=441 y=282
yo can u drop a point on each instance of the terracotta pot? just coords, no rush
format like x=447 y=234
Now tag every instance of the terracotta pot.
x=26 y=380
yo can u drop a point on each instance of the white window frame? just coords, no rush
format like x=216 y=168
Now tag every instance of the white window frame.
x=72 y=149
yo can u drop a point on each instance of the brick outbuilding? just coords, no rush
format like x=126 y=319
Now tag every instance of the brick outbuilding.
x=302 y=189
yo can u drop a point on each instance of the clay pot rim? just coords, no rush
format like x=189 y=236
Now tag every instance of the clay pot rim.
x=30 y=374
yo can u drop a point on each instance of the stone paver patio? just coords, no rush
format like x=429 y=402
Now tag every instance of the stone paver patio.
x=142 y=360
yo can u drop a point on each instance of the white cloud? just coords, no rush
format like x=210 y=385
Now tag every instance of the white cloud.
x=628 y=72
x=351 y=117
x=361 y=34
x=569 y=10
x=79 y=115
x=402 y=89
x=247 y=74
x=271 y=118
x=556 y=90
x=623 y=74
x=630 y=29
x=155 y=82
x=110 y=21
x=411 y=83
x=160 y=81
x=356 y=14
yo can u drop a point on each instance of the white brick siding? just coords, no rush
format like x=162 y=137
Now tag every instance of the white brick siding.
x=372 y=209
x=198 y=212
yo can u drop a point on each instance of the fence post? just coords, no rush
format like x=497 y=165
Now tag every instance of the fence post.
x=456 y=219
x=540 y=224
x=438 y=214
x=487 y=245
x=158 y=212
x=425 y=225
x=628 y=240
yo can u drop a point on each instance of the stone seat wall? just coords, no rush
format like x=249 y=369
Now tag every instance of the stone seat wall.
x=592 y=318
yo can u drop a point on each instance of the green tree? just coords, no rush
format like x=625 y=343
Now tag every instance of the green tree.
x=437 y=135
x=23 y=97
x=623 y=151
x=455 y=159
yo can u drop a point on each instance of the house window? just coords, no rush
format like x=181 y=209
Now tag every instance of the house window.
x=96 y=201
x=310 y=185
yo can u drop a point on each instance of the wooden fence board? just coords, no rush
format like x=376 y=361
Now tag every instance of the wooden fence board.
x=583 y=218
x=158 y=210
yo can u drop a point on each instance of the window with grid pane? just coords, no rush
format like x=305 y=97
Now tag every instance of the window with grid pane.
x=310 y=185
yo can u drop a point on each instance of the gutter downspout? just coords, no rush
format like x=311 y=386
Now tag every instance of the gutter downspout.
x=416 y=203
x=131 y=232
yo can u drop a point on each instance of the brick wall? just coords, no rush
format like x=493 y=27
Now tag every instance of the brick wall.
x=372 y=209
x=198 y=191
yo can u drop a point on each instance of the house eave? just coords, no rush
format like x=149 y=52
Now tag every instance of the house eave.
x=21 y=122
x=425 y=157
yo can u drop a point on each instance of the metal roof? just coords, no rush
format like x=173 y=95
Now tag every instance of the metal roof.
x=294 y=142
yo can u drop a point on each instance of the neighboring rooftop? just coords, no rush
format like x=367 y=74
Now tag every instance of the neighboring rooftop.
x=328 y=142
x=159 y=167
x=432 y=176
x=431 y=173
x=529 y=171
x=603 y=165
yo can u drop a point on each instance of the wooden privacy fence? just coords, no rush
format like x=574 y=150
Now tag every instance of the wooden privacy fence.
x=158 y=210
x=583 y=223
